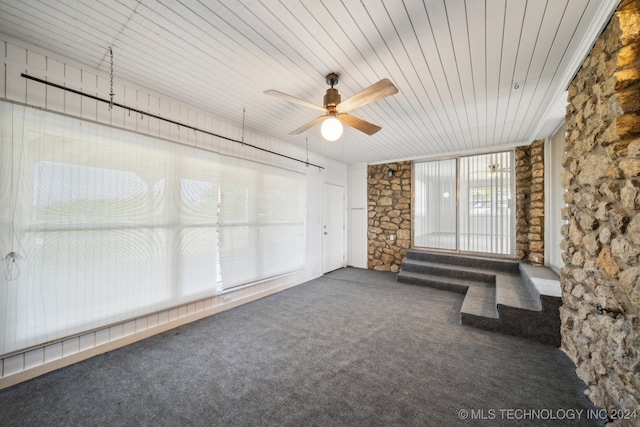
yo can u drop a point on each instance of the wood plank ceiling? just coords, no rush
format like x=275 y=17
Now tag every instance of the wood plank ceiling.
x=472 y=74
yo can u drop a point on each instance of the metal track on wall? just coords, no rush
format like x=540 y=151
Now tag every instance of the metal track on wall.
x=144 y=113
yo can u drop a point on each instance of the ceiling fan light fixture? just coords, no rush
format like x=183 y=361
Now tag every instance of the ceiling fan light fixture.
x=331 y=129
x=333 y=106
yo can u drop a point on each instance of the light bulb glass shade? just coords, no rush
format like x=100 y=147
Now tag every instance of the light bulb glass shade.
x=331 y=129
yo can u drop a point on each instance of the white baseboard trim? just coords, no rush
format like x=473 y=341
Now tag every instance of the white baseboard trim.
x=31 y=363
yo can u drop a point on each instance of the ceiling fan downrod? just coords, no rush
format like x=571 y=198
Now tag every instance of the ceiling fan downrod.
x=332 y=97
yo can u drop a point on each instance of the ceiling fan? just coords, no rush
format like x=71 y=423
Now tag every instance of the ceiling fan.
x=336 y=111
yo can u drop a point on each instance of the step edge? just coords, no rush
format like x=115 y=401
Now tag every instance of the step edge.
x=541 y=279
x=536 y=302
x=509 y=261
x=467 y=302
x=475 y=276
x=444 y=265
x=460 y=286
x=462 y=254
x=442 y=278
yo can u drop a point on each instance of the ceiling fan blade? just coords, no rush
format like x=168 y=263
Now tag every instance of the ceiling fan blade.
x=293 y=99
x=309 y=125
x=361 y=125
x=373 y=93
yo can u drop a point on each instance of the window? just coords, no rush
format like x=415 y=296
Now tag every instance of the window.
x=112 y=225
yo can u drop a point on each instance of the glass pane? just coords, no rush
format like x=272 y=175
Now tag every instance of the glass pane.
x=279 y=200
x=73 y=194
x=198 y=262
x=261 y=223
x=238 y=255
x=486 y=213
x=81 y=279
x=198 y=202
x=282 y=248
x=435 y=204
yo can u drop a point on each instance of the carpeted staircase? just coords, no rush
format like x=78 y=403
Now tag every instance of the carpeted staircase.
x=501 y=295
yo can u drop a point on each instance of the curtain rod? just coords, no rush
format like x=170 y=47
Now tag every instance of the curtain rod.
x=135 y=110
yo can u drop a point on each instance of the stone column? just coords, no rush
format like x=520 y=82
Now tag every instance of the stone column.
x=536 y=211
x=601 y=242
x=389 y=211
x=523 y=198
x=530 y=203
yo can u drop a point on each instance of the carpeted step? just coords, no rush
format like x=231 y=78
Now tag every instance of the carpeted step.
x=542 y=280
x=433 y=281
x=501 y=295
x=448 y=270
x=480 y=301
x=542 y=326
x=498 y=264
x=513 y=291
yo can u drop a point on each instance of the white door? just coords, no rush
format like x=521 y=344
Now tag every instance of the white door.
x=333 y=228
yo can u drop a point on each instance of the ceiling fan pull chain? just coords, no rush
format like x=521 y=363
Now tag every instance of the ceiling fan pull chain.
x=242 y=137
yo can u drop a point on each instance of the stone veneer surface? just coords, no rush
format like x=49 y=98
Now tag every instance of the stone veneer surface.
x=389 y=213
x=601 y=241
x=530 y=203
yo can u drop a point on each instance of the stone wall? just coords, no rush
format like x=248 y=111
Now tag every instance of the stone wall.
x=530 y=203
x=601 y=242
x=389 y=211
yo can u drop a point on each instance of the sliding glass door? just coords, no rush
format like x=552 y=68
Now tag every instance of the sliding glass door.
x=486 y=213
x=435 y=215
x=465 y=204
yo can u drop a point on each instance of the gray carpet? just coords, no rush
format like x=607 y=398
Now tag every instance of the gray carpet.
x=350 y=348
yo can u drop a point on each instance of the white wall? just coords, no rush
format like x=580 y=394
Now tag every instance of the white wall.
x=357 y=220
x=554 y=151
x=18 y=57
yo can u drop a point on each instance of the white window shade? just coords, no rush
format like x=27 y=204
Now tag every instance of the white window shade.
x=110 y=225
x=262 y=222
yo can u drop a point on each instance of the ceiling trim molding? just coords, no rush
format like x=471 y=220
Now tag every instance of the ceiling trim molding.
x=460 y=153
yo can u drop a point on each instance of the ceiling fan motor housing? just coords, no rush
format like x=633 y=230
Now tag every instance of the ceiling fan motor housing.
x=331 y=98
